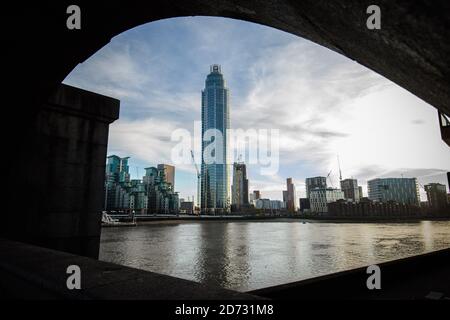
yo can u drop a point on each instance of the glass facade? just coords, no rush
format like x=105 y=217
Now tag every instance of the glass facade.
x=162 y=199
x=401 y=190
x=118 y=168
x=117 y=176
x=215 y=181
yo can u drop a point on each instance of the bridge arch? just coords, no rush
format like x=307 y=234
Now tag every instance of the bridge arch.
x=411 y=49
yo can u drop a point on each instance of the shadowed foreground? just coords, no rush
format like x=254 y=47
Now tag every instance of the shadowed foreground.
x=29 y=272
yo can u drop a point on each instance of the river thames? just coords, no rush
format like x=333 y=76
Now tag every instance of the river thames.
x=248 y=255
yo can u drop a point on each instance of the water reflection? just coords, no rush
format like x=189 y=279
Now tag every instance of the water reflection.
x=251 y=255
x=427 y=236
x=213 y=261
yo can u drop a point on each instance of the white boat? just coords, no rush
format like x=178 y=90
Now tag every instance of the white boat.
x=109 y=221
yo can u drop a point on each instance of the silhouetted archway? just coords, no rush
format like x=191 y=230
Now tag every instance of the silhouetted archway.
x=411 y=49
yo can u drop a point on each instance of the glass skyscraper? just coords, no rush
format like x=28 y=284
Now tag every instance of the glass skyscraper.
x=215 y=182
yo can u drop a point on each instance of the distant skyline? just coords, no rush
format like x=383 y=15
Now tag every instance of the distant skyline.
x=324 y=104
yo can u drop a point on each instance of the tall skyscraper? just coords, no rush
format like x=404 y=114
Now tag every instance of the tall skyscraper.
x=239 y=189
x=290 y=201
x=215 y=181
x=315 y=182
x=401 y=190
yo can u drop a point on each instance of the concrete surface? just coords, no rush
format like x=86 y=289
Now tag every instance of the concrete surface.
x=30 y=272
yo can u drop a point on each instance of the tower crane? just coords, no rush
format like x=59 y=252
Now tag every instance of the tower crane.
x=340 y=172
x=199 y=176
x=329 y=178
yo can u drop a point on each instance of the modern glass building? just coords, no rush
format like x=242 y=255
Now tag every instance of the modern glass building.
x=215 y=181
x=116 y=179
x=401 y=190
x=162 y=199
x=118 y=168
x=169 y=173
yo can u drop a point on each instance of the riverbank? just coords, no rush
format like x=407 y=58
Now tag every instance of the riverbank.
x=370 y=219
x=309 y=219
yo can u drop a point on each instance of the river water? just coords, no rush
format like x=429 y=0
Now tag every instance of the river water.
x=252 y=255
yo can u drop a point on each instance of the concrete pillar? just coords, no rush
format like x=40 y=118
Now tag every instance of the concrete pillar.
x=448 y=180
x=56 y=197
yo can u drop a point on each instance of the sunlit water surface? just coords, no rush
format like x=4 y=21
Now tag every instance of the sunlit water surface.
x=252 y=255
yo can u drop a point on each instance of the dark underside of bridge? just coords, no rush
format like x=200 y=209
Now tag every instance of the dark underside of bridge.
x=55 y=137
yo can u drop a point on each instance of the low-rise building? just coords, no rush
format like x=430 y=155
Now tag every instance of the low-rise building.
x=436 y=195
x=304 y=205
x=263 y=204
x=368 y=208
x=320 y=198
x=187 y=207
x=277 y=205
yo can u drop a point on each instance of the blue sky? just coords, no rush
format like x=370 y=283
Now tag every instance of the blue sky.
x=323 y=103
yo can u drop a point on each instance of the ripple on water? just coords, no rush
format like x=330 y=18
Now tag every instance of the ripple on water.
x=248 y=255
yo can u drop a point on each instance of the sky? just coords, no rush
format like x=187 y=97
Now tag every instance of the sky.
x=323 y=104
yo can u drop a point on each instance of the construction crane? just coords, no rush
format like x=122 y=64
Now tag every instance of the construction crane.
x=199 y=176
x=329 y=178
x=340 y=172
